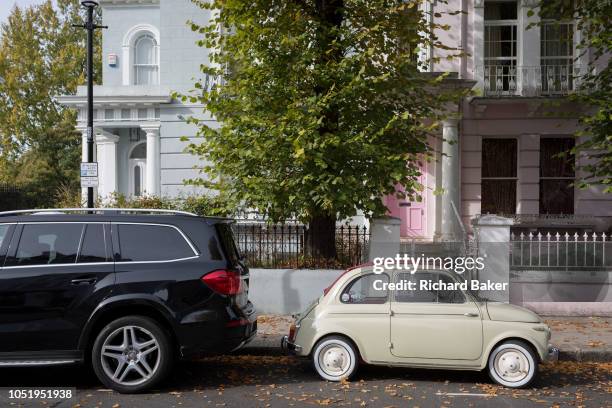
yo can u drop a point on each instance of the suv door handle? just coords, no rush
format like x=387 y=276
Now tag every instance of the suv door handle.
x=470 y=314
x=83 y=281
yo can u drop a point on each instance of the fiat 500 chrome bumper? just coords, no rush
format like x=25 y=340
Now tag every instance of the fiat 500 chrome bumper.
x=289 y=346
x=553 y=354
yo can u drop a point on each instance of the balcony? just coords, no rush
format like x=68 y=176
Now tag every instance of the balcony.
x=529 y=81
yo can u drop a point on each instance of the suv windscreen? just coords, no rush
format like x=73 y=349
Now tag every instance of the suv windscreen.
x=47 y=244
x=143 y=242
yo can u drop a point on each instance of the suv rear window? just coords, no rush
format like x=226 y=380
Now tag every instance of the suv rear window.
x=226 y=235
x=47 y=244
x=144 y=242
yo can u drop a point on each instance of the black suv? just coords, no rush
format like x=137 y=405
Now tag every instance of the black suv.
x=127 y=290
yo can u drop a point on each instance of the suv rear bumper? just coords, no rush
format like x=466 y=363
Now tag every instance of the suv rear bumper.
x=216 y=336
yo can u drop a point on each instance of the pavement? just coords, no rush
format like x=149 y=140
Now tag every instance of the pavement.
x=578 y=338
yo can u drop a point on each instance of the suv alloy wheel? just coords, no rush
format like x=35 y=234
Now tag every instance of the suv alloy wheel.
x=132 y=354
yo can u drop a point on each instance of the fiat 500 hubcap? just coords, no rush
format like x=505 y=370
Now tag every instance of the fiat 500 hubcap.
x=334 y=360
x=512 y=365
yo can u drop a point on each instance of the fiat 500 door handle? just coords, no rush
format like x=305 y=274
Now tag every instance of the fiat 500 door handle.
x=83 y=281
x=470 y=314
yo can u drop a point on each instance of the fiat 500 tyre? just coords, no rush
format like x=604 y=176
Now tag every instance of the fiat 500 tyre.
x=335 y=358
x=131 y=354
x=513 y=364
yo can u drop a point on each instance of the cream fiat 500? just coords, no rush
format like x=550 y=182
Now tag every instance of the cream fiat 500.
x=359 y=318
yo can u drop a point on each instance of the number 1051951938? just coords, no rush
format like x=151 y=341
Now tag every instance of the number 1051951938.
x=40 y=393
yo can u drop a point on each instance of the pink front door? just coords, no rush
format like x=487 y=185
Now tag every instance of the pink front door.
x=411 y=213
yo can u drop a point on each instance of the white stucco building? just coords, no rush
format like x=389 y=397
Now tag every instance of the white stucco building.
x=503 y=159
x=149 y=52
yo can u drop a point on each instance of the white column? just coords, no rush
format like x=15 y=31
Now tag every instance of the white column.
x=107 y=164
x=478 y=51
x=451 y=182
x=528 y=45
x=153 y=160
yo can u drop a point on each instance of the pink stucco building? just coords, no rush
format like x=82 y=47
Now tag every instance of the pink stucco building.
x=509 y=133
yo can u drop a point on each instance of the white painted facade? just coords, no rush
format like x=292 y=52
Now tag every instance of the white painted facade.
x=150 y=52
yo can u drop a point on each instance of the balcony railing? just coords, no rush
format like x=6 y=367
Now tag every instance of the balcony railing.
x=543 y=80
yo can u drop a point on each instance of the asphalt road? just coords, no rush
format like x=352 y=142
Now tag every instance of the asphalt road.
x=280 y=381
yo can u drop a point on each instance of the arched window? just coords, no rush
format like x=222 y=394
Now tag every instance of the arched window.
x=146 y=67
x=138 y=165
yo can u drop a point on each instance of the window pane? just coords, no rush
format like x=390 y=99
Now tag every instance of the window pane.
x=146 y=75
x=550 y=164
x=228 y=242
x=93 y=248
x=48 y=244
x=498 y=197
x=556 y=197
x=499 y=158
x=145 y=51
x=137 y=178
x=417 y=295
x=139 y=152
x=151 y=243
x=502 y=10
x=448 y=296
x=3 y=230
x=362 y=290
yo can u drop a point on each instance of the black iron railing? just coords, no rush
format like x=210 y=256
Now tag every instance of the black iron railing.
x=289 y=246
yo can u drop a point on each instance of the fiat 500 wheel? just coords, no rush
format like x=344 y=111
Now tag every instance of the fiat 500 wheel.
x=335 y=358
x=131 y=354
x=513 y=364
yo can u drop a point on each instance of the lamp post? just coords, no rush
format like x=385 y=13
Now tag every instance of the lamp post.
x=89 y=25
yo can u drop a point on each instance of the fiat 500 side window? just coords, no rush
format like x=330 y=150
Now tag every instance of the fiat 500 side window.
x=363 y=290
x=427 y=295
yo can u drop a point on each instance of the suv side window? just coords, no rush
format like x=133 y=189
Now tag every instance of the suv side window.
x=93 y=248
x=3 y=230
x=145 y=242
x=363 y=291
x=47 y=244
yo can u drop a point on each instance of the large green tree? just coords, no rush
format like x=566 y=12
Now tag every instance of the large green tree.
x=592 y=19
x=324 y=107
x=41 y=56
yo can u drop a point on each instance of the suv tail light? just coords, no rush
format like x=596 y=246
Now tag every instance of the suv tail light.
x=223 y=281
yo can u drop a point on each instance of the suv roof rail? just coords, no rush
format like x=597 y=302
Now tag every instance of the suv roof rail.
x=40 y=211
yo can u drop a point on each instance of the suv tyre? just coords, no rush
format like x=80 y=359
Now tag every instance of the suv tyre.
x=132 y=354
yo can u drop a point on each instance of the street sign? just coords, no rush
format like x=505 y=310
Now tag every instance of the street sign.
x=89 y=169
x=89 y=182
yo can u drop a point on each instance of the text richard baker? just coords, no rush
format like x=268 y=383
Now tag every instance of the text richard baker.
x=432 y=285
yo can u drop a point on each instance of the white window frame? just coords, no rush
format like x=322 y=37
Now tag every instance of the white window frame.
x=513 y=67
x=555 y=74
x=129 y=41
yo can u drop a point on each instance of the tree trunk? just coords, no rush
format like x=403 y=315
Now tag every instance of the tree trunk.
x=322 y=237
